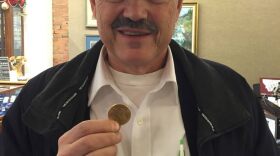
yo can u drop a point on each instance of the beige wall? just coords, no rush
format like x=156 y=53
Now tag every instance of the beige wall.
x=245 y=35
x=77 y=28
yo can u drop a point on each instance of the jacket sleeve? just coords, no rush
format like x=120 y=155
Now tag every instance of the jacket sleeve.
x=265 y=142
x=15 y=135
x=18 y=139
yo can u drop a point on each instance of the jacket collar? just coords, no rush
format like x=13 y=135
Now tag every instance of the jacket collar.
x=44 y=114
x=212 y=95
x=220 y=109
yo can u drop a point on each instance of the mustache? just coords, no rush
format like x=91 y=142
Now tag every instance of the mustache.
x=141 y=24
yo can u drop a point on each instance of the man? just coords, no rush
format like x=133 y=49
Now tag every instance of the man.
x=178 y=102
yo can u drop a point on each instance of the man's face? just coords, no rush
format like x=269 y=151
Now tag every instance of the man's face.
x=136 y=33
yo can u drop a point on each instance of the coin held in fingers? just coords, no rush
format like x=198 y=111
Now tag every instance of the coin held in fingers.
x=119 y=113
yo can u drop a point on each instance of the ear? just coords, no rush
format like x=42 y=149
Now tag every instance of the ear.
x=93 y=7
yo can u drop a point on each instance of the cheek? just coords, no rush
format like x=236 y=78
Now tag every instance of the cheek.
x=104 y=14
x=104 y=22
x=173 y=16
x=167 y=22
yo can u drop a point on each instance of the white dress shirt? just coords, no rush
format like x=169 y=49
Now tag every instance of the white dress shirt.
x=156 y=125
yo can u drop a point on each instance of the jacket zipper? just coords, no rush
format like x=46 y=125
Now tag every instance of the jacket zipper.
x=207 y=120
x=65 y=104
x=212 y=128
x=215 y=134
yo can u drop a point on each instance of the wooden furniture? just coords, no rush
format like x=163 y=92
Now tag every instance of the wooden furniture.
x=8 y=93
x=1 y=118
x=13 y=82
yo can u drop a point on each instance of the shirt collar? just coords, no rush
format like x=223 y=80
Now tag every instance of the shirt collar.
x=168 y=74
x=103 y=76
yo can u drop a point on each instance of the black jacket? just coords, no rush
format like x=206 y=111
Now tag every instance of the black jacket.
x=221 y=115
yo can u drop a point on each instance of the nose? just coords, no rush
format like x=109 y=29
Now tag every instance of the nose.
x=136 y=10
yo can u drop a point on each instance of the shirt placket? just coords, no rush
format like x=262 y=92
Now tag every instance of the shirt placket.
x=141 y=132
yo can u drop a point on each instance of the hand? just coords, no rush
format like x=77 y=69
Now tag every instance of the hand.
x=91 y=138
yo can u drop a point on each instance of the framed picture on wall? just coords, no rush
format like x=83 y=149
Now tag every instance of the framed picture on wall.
x=91 y=40
x=90 y=20
x=185 y=32
x=270 y=86
x=270 y=89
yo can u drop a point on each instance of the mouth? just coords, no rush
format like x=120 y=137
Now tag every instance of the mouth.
x=134 y=32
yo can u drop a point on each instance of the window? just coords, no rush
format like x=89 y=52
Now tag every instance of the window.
x=11 y=36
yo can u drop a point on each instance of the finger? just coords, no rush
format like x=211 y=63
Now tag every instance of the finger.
x=88 y=127
x=95 y=142
x=108 y=151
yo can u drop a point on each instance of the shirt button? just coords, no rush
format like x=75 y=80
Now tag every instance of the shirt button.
x=140 y=122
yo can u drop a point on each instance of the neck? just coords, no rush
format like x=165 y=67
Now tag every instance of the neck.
x=138 y=68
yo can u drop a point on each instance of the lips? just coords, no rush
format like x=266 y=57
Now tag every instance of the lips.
x=134 y=32
x=130 y=33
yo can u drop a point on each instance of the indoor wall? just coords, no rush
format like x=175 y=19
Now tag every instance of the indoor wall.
x=38 y=44
x=77 y=28
x=244 y=35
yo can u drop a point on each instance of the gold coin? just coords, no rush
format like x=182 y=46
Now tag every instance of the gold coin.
x=119 y=113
